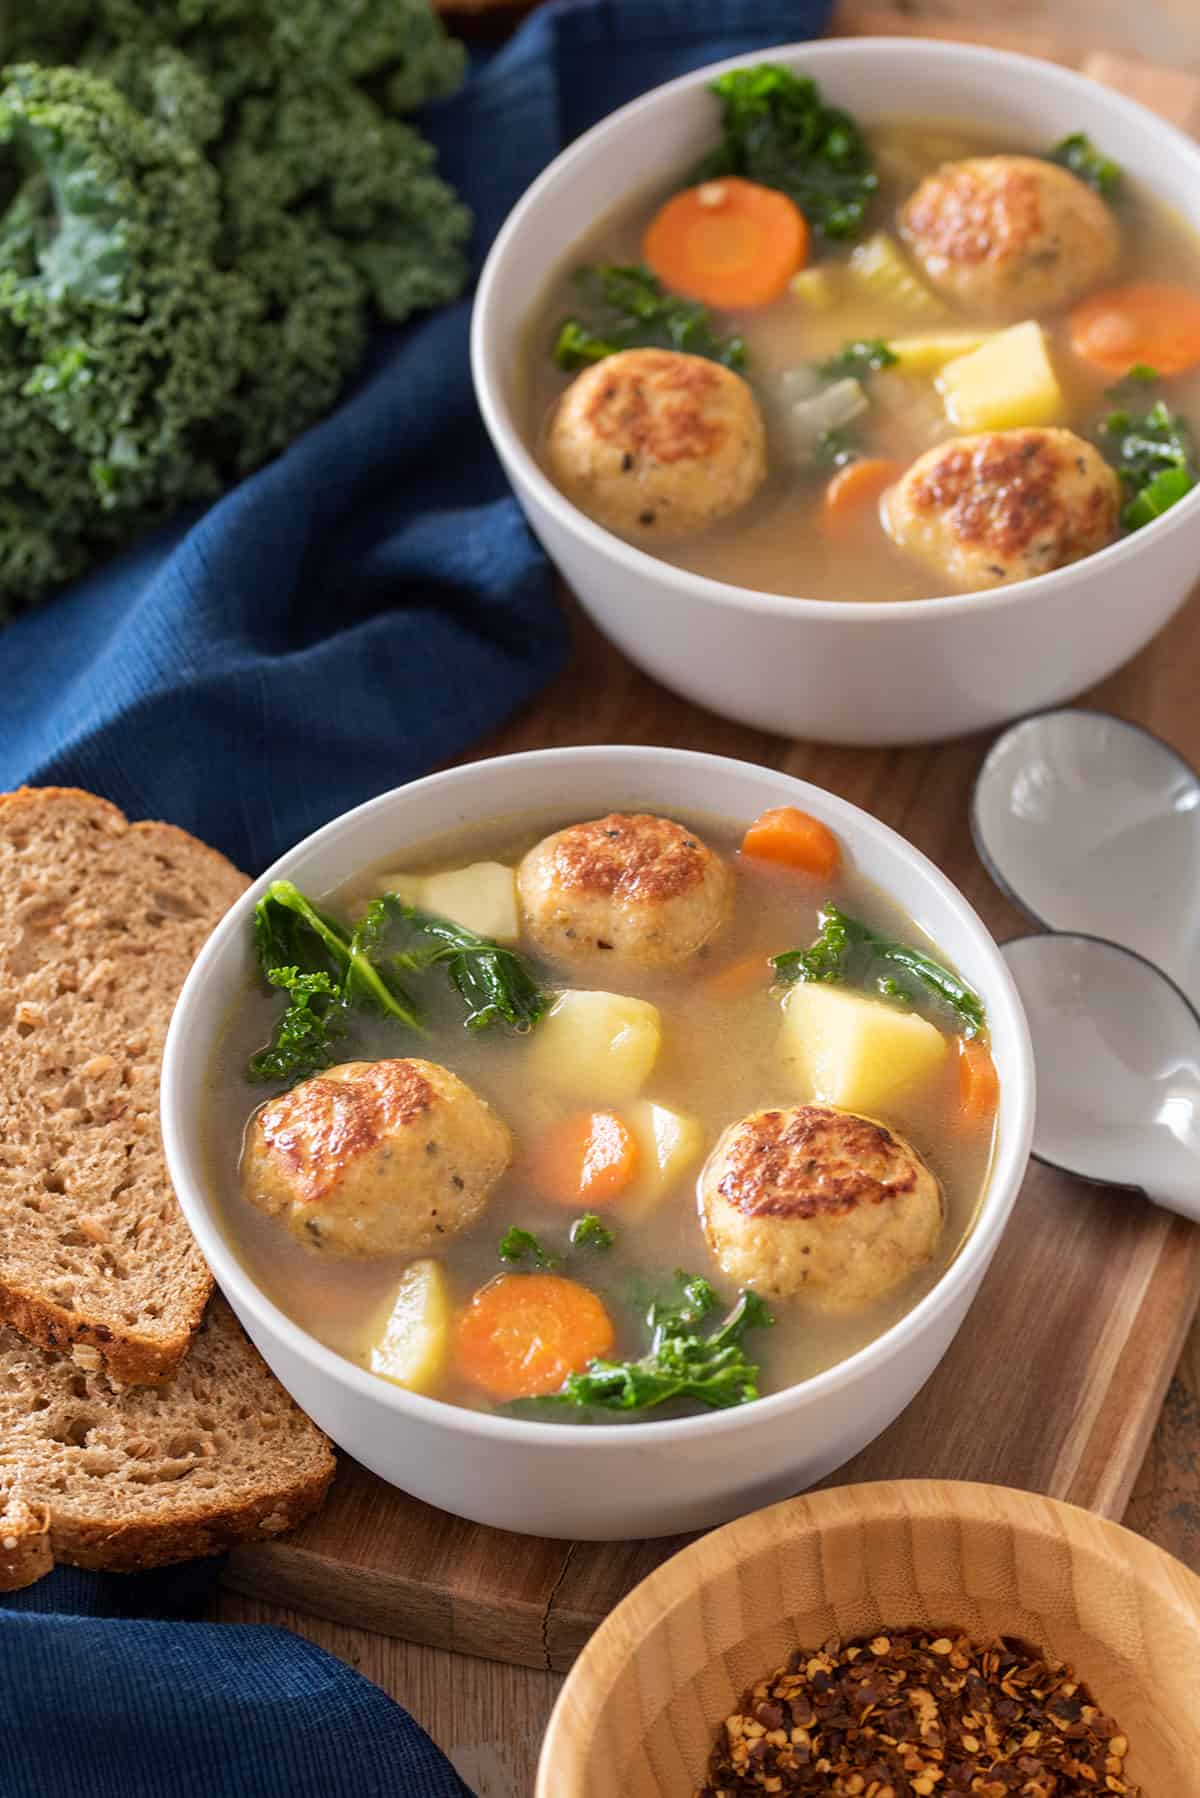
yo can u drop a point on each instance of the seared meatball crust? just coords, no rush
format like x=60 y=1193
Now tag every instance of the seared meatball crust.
x=375 y=1157
x=1010 y=236
x=627 y=888
x=654 y=443
x=819 y=1203
x=1003 y=506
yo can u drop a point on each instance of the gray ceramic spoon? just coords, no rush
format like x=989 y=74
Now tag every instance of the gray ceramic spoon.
x=1117 y=1049
x=1093 y=825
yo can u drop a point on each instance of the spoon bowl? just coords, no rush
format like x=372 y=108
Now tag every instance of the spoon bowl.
x=1092 y=825
x=1117 y=1051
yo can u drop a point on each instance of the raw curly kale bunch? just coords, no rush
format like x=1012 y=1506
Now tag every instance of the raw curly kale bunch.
x=202 y=205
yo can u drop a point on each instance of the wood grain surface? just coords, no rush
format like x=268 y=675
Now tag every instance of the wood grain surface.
x=489 y=1715
x=640 y=1709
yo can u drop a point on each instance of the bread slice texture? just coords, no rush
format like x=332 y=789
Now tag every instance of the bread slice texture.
x=100 y=920
x=123 y=1479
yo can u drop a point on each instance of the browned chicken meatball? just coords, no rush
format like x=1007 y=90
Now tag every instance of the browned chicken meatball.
x=655 y=443
x=819 y=1203
x=1010 y=236
x=1003 y=506
x=630 y=888
x=375 y=1157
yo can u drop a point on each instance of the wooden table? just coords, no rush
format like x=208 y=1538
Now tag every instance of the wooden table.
x=490 y=1717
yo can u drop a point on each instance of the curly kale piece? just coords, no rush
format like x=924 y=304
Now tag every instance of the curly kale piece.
x=626 y=307
x=495 y=983
x=1079 y=154
x=1155 y=456
x=518 y=1245
x=846 y=950
x=587 y=1232
x=778 y=130
x=681 y=1362
x=200 y=217
x=865 y=356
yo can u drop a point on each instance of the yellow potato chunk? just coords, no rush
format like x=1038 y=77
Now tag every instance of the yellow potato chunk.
x=1007 y=382
x=668 y=1144
x=411 y=1347
x=597 y=1048
x=925 y=355
x=482 y=898
x=845 y=1049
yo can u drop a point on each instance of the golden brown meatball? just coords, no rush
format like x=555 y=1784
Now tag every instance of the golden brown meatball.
x=657 y=444
x=1003 y=506
x=375 y=1157
x=626 y=888
x=819 y=1203
x=1010 y=236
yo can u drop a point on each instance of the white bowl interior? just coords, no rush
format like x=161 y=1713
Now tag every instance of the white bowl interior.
x=876 y=79
x=583 y=782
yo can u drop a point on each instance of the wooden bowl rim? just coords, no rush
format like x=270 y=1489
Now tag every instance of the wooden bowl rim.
x=580 y=1705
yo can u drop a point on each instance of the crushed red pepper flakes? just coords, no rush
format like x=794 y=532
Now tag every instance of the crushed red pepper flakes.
x=909 y=1714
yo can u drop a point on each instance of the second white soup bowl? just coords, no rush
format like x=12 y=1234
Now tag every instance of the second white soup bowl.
x=641 y=1479
x=848 y=671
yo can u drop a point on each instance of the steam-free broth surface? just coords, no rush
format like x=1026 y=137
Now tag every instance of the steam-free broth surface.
x=783 y=540
x=719 y=1060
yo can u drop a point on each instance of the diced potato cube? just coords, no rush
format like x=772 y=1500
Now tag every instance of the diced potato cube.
x=482 y=898
x=597 y=1048
x=845 y=1049
x=410 y=1348
x=1007 y=382
x=668 y=1143
x=925 y=355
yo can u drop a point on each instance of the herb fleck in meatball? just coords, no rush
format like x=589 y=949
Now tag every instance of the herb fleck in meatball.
x=630 y=888
x=1004 y=505
x=1010 y=236
x=376 y=1157
x=655 y=443
x=819 y=1203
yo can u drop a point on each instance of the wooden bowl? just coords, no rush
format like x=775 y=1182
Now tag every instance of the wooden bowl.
x=638 y=1714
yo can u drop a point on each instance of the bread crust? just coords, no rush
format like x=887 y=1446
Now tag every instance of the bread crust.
x=137 y=1352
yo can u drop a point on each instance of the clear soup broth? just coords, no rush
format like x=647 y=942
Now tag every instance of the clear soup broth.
x=719 y=1059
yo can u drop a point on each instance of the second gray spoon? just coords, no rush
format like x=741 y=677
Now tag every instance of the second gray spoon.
x=1117 y=1049
x=1093 y=825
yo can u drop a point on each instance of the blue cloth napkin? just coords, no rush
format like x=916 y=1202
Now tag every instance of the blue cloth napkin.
x=355 y=613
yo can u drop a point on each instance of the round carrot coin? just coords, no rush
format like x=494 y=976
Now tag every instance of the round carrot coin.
x=522 y=1334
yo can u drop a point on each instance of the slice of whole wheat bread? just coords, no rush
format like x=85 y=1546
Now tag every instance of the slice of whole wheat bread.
x=100 y=921
x=121 y=1480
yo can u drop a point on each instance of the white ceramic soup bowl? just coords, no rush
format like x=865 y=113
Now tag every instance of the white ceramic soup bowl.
x=839 y=671
x=641 y=1479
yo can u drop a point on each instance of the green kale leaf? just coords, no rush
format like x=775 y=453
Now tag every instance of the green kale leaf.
x=846 y=950
x=777 y=130
x=519 y=1245
x=866 y=356
x=1079 y=154
x=587 y=1232
x=1155 y=456
x=627 y=308
x=681 y=1361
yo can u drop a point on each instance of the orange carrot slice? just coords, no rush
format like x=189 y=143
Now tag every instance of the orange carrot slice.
x=978 y=1083
x=522 y=1334
x=793 y=839
x=1152 y=322
x=730 y=243
x=854 y=487
x=585 y=1160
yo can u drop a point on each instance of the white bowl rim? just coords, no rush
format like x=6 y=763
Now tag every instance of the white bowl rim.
x=1004 y=1179
x=485 y=345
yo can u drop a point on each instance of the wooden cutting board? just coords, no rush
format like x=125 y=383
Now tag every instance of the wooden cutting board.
x=1056 y=1378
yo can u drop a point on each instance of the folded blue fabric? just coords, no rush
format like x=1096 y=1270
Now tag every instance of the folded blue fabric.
x=360 y=610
